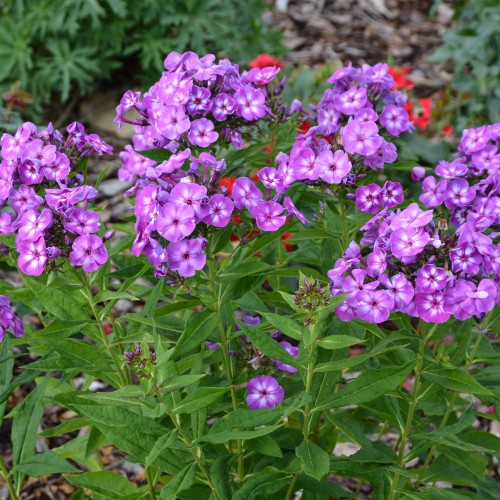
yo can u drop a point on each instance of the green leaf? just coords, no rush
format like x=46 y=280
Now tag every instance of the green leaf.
x=165 y=441
x=267 y=446
x=44 y=464
x=159 y=155
x=456 y=380
x=180 y=482
x=65 y=427
x=6 y=366
x=59 y=329
x=370 y=385
x=285 y=325
x=262 y=485
x=219 y=472
x=322 y=486
x=243 y=270
x=110 y=295
x=339 y=341
x=199 y=327
x=315 y=461
x=106 y=483
x=225 y=436
x=199 y=398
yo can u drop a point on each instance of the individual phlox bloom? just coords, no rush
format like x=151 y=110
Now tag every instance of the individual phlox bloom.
x=353 y=251
x=293 y=210
x=264 y=392
x=57 y=198
x=412 y=216
x=172 y=122
x=448 y=170
x=6 y=226
x=81 y=221
x=191 y=194
x=458 y=194
x=430 y=307
x=222 y=106
x=351 y=101
x=391 y=194
x=261 y=76
x=408 y=241
x=328 y=118
x=374 y=306
x=89 y=252
x=155 y=252
x=293 y=351
x=368 y=198
x=417 y=174
x=474 y=139
x=465 y=258
x=13 y=145
x=186 y=257
x=487 y=158
x=246 y=194
x=399 y=288
x=333 y=167
x=98 y=145
x=8 y=319
x=146 y=206
x=59 y=169
x=268 y=216
x=304 y=165
x=38 y=153
x=250 y=103
x=270 y=177
x=346 y=311
x=30 y=172
x=377 y=262
x=394 y=119
x=355 y=282
x=430 y=278
x=175 y=221
x=433 y=194
x=133 y=164
x=33 y=224
x=24 y=199
x=32 y=256
x=361 y=137
x=202 y=133
x=199 y=100
x=465 y=300
x=366 y=115
x=220 y=209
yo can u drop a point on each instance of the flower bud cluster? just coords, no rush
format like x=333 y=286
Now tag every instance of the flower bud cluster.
x=8 y=319
x=44 y=198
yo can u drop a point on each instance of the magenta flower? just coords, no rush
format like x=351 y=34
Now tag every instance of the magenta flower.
x=186 y=257
x=351 y=101
x=293 y=210
x=89 y=252
x=430 y=279
x=391 y=194
x=222 y=106
x=395 y=119
x=250 y=103
x=408 y=241
x=268 y=216
x=202 y=133
x=38 y=153
x=474 y=139
x=361 y=137
x=246 y=194
x=59 y=169
x=433 y=194
x=146 y=206
x=399 y=288
x=333 y=167
x=293 y=351
x=412 y=216
x=81 y=221
x=172 y=122
x=8 y=319
x=33 y=224
x=430 y=307
x=261 y=76
x=30 y=172
x=465 y=259
x=374 y=306
x=220 y=209
x=12 y=146
x=264 y=392
x=32 y=256
x=192 y=195
x=199 y=100
x=175 y=221
x=458 y=194
x=451 y=170
x=368 y=198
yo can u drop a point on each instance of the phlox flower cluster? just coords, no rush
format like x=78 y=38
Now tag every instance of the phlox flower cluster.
x=8 y=319
x=435 y=263
x=43 y=198
x=194 y=108
x=346 y=130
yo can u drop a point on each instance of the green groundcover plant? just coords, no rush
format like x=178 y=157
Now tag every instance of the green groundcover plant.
x=270 y=295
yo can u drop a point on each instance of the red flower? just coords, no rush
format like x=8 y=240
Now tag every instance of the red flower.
x=266 y=60
x=228 y=183
x=424 y=116
x=304 y=126
x=287 y=246
x=399 y=75
x=447 y=131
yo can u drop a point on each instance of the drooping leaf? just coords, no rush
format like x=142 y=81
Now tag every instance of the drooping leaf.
x=315 y=461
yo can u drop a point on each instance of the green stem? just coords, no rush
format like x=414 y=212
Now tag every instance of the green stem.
x=307 y=409
x=151 y=485
x=289 y=492
x=5 y=474
x=411 y=412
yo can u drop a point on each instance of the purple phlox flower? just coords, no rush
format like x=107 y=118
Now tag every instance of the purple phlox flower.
x=38 y=153
x=304 y=165
x=143 y=232
x=395 y=119
x=451 y=170
x=81 y=221
x=30 y=172
x=346 y=311
x=250 y=103
x=433 y=194
x=172 y=122
x=355 y=282
x=399 y=288
x=377 y=262
x=344 y=73
x=474 y=139
x=351 y=101
x=59 y=169
x=24 y=199
x=57 y=198
x=408 y=241
x=458 y=194
x=268 y=216
x=391 y=194
x=293 y=351
x=129 y=100
x=468 y=234
x=175 y=162
x=264 y=392
x=13 y=145
x=417 y=174
x=465 y=300
x=98 y=145
x=353 y=251
x=366 y=115
x=333 y=167
x=328 y=118
x=76 y=135
x=7 y=169
x=33 y=224
x=368 y=198
x=202 y=133
x=270 y=177
x=8 y=319
x=412 y=216
x=89 y=252
x=6 y=226
x=246 y=194
x=172 y=89
x=192 y=195
x=146 y=206
x=293 y=210
x=374 y=306
x=465 y=258
x=155 y=252
x=186 y=257
x=260 y=76
x=32 y=256
x=248 y=320
x=430 y=279
x=175 y=221
x=222 y=106
x=220 y=209
x=361 y=137
x=430 y=307
x=199 y=101
x=133 y=164
x=487 y=158
x=206 y=69
x=233 y=136
x=211 y=345
x=53 y=253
